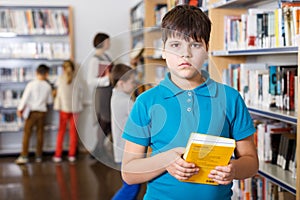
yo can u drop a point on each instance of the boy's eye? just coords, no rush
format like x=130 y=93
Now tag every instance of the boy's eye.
x=196 y=45
x=174 y=45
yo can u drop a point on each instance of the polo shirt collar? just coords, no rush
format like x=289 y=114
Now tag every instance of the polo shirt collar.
x=169 y=89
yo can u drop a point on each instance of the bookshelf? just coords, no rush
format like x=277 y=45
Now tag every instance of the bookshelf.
x=220 y=57
x=153 y=62
x=29 y=36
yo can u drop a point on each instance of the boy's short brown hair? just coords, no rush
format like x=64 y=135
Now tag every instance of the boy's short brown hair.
x=188 y=22
x=42 y=69
x=120 y=72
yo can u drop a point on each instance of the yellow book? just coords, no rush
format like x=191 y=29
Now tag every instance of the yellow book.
x=207 y=152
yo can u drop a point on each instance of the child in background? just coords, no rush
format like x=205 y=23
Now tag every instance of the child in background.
x=35 y=98
x=187 y=100
x=123 y=79
x=69 y=102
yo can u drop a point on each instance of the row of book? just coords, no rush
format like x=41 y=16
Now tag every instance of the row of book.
x=16 y=74
x=276 y=144
x=270 y=85
x=24 y=74
x=31 y=21
x=137 y=16
x=260 y=188
x=35 y=50
x=262 y=28
x=10 y=98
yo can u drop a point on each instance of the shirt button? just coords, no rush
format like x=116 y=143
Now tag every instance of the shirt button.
x=189 y=109
x=188 y=100
x=190 y=93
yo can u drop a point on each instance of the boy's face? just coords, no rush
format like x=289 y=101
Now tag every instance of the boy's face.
x=129 y=85
x=184 y=58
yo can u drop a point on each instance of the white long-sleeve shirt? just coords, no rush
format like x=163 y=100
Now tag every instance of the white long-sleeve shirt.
x=36 y=96
x=121 y=105
x=69 y=97
x=93 y=78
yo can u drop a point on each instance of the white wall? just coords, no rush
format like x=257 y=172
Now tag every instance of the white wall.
x=90 y=17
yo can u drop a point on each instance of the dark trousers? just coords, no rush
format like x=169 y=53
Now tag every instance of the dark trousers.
x=35 y=119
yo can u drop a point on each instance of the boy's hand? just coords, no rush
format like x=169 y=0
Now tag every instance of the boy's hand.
x=223 y=174
x=179 y=168
x=19 y=113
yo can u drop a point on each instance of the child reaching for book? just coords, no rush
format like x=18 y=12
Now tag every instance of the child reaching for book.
x=69 y=102
x=123 y=79
x=36 y=96
x=186 y=101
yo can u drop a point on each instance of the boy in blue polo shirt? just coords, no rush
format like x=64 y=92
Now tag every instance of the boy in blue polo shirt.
x=186 y=101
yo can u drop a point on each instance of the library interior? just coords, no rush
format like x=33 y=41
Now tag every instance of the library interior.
x=59 y=130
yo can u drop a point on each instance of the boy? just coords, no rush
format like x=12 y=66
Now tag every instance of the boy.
x=123 y=80
x=186 y=101
x=36 y=96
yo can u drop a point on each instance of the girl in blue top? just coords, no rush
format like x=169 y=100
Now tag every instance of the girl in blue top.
x=186 y=101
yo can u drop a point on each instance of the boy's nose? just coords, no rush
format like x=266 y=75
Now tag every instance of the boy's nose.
x=186 y=52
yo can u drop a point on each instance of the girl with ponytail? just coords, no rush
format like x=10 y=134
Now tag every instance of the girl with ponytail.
x=69 y=102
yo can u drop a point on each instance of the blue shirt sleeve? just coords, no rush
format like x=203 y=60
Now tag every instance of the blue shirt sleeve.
x=137 y=128
x=242 y=124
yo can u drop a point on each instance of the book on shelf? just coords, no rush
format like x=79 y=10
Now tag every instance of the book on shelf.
x=207 y=152
x=288 y=142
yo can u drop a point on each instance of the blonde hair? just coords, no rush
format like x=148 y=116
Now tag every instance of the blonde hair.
x=69 y=70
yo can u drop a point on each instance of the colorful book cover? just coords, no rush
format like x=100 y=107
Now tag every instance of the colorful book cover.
x=207 y=152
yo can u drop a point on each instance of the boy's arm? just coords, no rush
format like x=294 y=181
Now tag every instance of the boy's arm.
x=245 y=166
x=24 y=98
x=137 y=168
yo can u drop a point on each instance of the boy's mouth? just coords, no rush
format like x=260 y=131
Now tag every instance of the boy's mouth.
x=185 y=65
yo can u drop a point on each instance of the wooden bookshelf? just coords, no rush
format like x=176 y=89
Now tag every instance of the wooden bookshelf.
x=47 y=31
x=219 y=58
x=152 y=32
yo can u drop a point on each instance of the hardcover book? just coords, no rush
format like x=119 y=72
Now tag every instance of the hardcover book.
x=207 y=152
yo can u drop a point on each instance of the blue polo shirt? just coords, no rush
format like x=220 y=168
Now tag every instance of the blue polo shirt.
x=163 y=118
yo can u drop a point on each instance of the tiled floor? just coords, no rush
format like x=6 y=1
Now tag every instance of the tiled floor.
x=86 y=179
